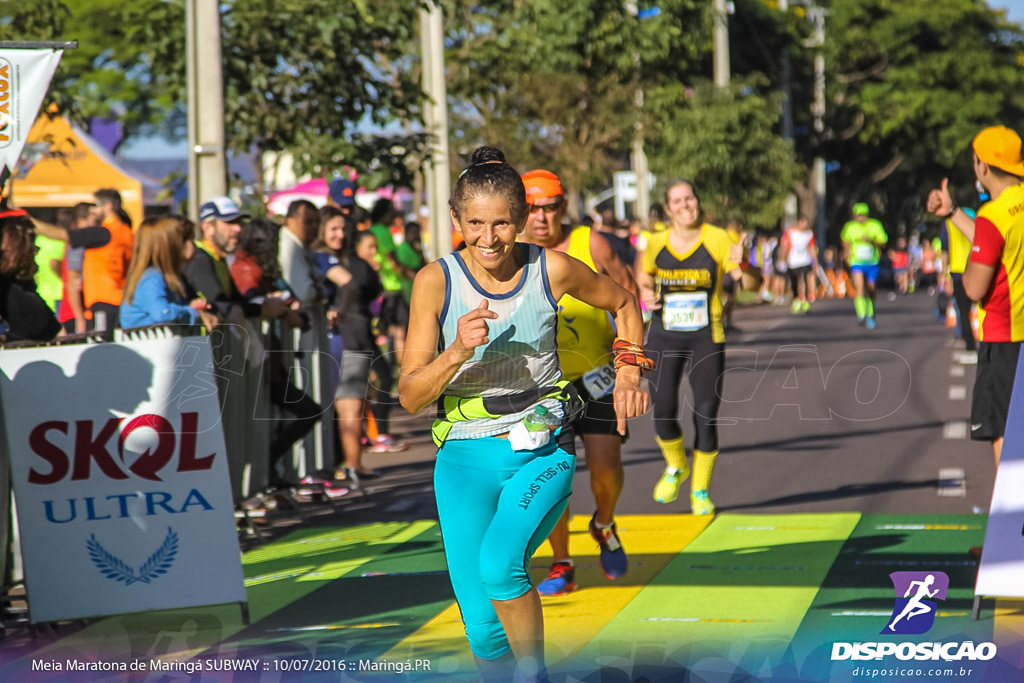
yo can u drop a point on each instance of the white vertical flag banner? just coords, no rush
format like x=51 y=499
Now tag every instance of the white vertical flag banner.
x=24 y=79
x=1002 y=560
x=121 y=478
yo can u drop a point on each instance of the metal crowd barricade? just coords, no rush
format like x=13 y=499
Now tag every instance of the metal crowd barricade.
x=312 y=368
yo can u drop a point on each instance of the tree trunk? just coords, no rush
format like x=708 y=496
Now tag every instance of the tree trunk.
x=572 y=196
x=807 y=197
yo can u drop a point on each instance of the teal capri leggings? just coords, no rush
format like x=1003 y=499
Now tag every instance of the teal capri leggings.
x=496 y=506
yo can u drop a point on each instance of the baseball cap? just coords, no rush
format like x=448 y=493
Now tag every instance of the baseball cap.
x=1000 y=147
x=541 y=184
x=861 y=209
x=342 y=191
x=223 y=208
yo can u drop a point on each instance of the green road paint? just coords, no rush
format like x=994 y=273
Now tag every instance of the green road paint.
x=738 y=592
x=376 y=604
x=275 y=575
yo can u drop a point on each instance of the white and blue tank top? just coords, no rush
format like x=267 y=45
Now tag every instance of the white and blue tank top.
x=523 y=350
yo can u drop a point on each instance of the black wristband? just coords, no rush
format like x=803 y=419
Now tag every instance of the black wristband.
x=951 y=212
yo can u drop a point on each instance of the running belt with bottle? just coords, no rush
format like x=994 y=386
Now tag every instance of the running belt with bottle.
x=507 y=375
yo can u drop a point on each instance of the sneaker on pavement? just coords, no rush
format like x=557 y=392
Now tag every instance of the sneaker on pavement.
x=700 y=504
x=805 y=306
x=794 y=307
x=385 y=443
x=667 y=488
x=561 y=580
x=870 y=323
x=613 y=558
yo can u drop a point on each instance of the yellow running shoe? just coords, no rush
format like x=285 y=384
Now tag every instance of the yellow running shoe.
x=700 y=504
x=667 y=488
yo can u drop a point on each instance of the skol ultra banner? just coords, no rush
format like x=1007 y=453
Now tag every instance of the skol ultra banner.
x=24 y=78
x=121 y=478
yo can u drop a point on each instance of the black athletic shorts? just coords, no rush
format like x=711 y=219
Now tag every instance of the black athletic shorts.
x=599 y=415
x=993 y=385
x=798 y=275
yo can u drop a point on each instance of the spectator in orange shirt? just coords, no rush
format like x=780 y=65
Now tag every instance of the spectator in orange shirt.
x=105 y=268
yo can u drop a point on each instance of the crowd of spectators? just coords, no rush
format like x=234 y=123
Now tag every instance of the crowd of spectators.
x=347 y=269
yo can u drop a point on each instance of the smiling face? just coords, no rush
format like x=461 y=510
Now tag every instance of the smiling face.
x=334 y=233
x=486 y=224
x=682 y=206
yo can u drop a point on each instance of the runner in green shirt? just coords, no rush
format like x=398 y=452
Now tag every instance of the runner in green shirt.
x=863 y=238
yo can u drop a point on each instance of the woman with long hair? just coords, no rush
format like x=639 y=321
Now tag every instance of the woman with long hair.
x=23 y=313
x=154 y=292
x=680 y=279
x=352 y=305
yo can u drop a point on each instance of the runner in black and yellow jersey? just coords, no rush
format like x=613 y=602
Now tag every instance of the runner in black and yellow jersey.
x=681 y=280
x=585 y=336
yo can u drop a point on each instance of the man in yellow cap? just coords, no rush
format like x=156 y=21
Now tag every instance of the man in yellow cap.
x=994 y=276
x=585 y=337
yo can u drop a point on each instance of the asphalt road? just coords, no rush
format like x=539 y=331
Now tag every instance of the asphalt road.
x=818 y=414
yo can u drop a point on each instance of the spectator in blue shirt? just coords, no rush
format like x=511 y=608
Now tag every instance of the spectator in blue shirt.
x=154 y=293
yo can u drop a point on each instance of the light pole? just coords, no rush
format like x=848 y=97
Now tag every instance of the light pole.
x=721 y=40
x=638 y=157
x=207 y=164
x=817 y=17
x=435 y=116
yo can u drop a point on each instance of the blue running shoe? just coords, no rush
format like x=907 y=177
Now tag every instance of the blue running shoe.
x=613 y=558
x=561 y=580
x=870 y=322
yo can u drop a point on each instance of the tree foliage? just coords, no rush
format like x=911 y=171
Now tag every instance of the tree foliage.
x=726 y=142
x=113 y=73
x=912 y=82
x=553 y=82
x=304 y=76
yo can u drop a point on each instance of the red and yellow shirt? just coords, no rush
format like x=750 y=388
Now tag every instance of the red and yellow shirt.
x=999 y=242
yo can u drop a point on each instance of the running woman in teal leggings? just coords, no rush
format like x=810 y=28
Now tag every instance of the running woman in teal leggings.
x=482 y=344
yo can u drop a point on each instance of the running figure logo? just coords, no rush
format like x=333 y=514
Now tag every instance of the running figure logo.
x=914 y=612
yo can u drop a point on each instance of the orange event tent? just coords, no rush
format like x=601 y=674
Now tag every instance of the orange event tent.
x=71 y=169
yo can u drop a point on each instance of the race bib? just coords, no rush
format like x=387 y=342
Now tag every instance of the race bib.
x=864 y=252
x=685 y=311
x=600 y=381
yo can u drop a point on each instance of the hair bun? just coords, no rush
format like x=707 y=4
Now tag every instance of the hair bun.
x=487 y=155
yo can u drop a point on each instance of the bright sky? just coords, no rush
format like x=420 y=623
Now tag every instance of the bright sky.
x=156 y=148
x=1015 y=7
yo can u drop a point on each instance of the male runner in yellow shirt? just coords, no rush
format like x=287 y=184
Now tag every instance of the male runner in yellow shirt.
x=585 y=336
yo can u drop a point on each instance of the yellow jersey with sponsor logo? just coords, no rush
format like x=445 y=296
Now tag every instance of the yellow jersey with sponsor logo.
x=585 y=333
x=689 y=285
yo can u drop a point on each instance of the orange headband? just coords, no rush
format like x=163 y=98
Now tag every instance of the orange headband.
x=541 y=184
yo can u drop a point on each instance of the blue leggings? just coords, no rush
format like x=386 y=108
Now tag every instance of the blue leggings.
x=496 y=506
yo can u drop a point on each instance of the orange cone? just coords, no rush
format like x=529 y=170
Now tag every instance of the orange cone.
x=975 y=322
x=950 y=315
